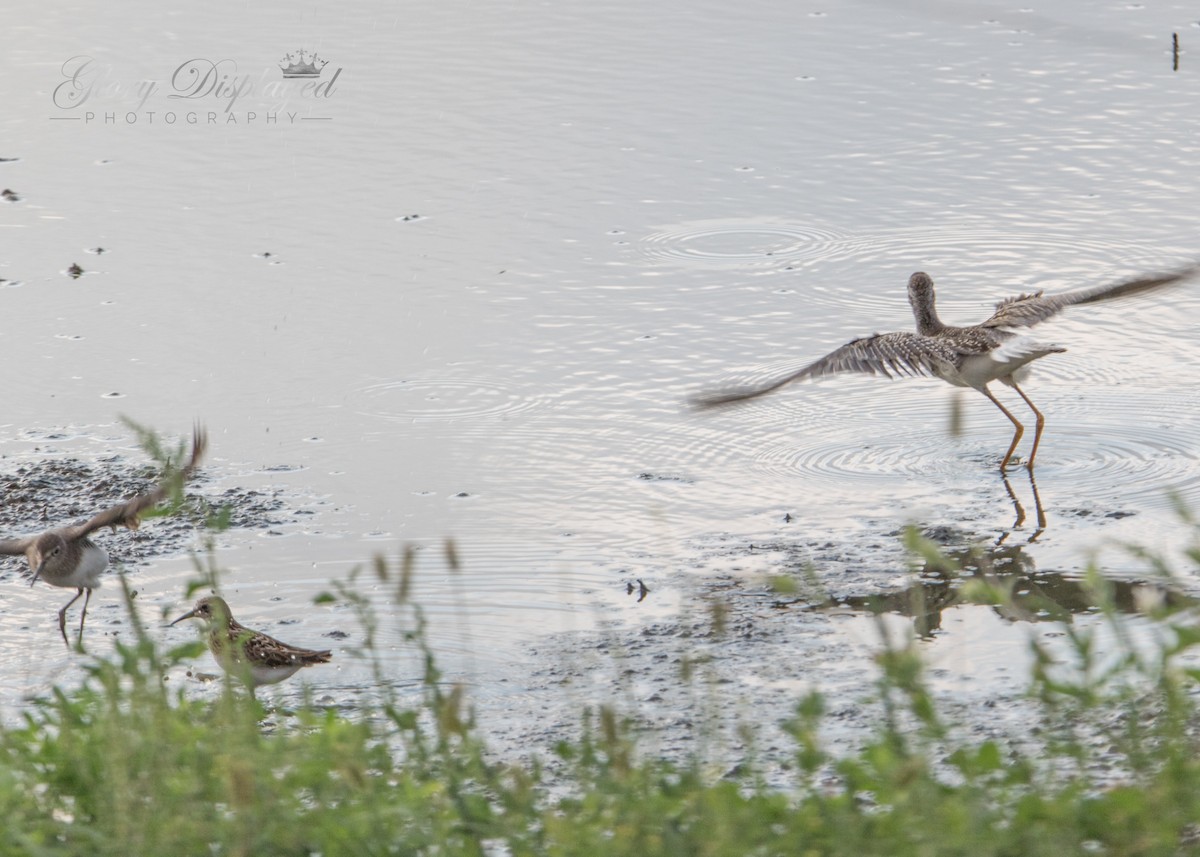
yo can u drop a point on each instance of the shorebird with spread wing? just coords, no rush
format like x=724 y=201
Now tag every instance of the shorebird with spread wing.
x=972 y=356
x=67 y=557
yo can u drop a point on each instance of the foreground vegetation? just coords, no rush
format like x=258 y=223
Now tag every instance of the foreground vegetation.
x=127 y=765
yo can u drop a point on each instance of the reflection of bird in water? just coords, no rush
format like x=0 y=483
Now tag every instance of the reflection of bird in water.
x=1020 y=511
x=1005 y=579
x=67 y=557
x=971 y=356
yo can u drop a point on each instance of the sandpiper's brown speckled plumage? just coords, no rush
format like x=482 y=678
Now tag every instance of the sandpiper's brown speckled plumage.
x=67 y=557
x=971 y=356
x=250 y=656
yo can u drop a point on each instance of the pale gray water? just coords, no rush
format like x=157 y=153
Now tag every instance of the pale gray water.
x=617 y=204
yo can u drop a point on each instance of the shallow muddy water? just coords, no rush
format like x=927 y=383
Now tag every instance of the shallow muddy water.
x=466 y=293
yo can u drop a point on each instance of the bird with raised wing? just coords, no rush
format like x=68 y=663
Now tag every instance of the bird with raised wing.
x=972 y=356
x=67 y=557
x=250 y=656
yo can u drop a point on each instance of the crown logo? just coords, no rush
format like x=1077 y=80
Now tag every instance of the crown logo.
x=302 y=64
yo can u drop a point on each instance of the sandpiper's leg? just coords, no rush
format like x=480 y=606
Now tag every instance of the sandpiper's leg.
x=62 y=615
x=1020 y=428
x=1041 y=422
x=83 y=615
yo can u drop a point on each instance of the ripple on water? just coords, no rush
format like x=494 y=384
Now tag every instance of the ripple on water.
x=975 y=265
x=420 y=399
x=738 y=243
x=864 y=431
x=838 y=458
x=1118 y=444
x=1125 y=444
x=595 y=477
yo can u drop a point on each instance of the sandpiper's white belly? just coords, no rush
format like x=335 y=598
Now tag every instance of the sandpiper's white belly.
x=952 y=376
x=92 y=563
x=252 y=672
x=1011 y=357
x=271 y=675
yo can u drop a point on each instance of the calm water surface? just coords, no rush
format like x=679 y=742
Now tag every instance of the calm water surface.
x=468 y=296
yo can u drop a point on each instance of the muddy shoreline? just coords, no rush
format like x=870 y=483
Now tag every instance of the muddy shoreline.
x=767 y=623
x=758 y=623
x=43 y=493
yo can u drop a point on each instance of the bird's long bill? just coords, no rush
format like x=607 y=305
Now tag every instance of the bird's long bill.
x=37 y=572
x=188 y=615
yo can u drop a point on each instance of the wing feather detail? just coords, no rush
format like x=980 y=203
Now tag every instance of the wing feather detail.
x=260 y=649
x=128 y=513
x=888 y=354
x=1030 y=309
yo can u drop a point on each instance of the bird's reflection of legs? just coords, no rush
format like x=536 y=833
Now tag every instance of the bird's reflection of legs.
x=1020 y=511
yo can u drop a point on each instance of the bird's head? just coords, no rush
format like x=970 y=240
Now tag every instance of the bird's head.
x=210 y=609
x=921 y=299
x=48 y=551
x=920 y=288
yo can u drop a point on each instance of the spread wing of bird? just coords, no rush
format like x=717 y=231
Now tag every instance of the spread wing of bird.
x=128 y=513
x=887 y=354
x=16 y=547
x=1030 y=309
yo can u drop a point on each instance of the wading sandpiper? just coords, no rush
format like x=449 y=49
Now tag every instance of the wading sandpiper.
x=249 y=656
x=971 y=356
x=67 y=557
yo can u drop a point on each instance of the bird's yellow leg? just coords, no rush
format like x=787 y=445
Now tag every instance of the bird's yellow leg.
x=1041 y=423
x=1020 y=428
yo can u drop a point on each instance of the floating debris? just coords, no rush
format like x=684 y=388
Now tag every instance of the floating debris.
x=641 y=589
